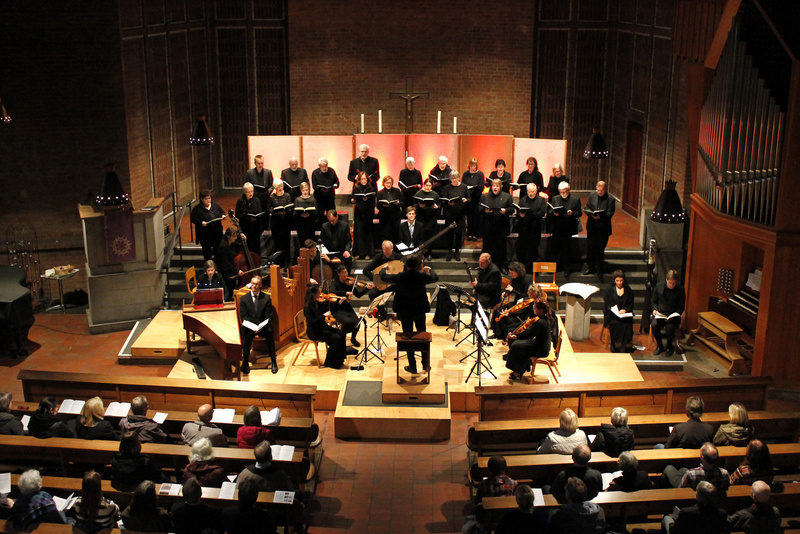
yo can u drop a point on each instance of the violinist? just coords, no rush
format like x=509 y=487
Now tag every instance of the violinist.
x=226 y=253
x=249 y=211
x=315 y=309
x=211 y=279
x=511 y=318
x=515 y=291
x=343 y=286
x=281 y=219
x=530 y=340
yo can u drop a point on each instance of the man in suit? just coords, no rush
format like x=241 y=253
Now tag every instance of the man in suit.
x=488 y=285
x=411 y=301
x=368 y=164
x=411 y=232
x=335 y=235
x=256 y=307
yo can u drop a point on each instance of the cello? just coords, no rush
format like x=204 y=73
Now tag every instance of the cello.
x=249 y=263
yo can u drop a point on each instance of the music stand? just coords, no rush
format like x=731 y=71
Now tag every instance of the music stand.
x=365 y=353
x=380 y=300
x=467 y=302
x=481 y=364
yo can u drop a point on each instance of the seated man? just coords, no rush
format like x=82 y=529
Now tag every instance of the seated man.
x=498 y=484
x=192 y=515
x=412 y=233
x=701 y=518
x=760 y=517
x=149 y=431
x=10 y=424
x=580 y=469
x=267 y=475
x=693 y=433
x=256 y=307
x=204 y=428
x=336 y=238
x=388 y=253
x=632 y=478
x=708 y=470
x=669 y=301
x=578 y=516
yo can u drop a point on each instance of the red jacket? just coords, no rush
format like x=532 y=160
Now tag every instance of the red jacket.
x=247 y=437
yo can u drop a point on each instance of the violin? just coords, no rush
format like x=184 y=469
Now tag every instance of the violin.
x=521 y=328
x=355 y=282
x=517 y=307
x=329 y=297
x=247 y=262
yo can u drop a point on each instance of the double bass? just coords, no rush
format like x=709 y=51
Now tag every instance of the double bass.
x=249 y=263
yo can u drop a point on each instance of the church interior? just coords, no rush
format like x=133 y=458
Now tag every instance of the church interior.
x=698 y=103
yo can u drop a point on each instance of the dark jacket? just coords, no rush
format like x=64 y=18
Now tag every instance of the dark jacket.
x=577 y=518
x=101 y=430
x=240 y=520
x=489 y=288
x=613 y=440
x=271 y=478
x=48 y=425
x=410 y=297
x=631 y=481
x=149 y=430
x=127 y=472
x=736 y=435
x=193 y=519
x=158 y=521
x=10 y=425
x=699 y=519
x=208 y=474
x=690 y=435
x=591 y=477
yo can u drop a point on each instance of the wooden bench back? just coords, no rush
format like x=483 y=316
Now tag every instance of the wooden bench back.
x=502 y=403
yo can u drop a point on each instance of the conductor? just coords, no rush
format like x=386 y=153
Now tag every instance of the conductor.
x=255 y=308
x=411 y=301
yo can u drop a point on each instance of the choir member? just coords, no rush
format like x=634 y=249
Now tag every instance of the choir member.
x=599 y=211
x=566 y=212
x=556 y=178
x=325 y=182
x=499 y=173
x=363 y=200
x=389 y=210
x=261 y=179
x=366 y=163
x=454 y=202
x=531 y=212
x=281 y=210
x=410 y=181
x=497 y=207
x=475 y=182
x=249 y=211
x=427 y=204
x=531 y=175
x=207 y=219
x=305 y=214
x=440 y=174
x=293 y=177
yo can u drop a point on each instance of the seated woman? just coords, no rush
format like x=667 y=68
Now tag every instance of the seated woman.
x=632 y=478
x=34 y=506
x=253 y=432
x=617 y=437
x=566 y=438
x=211 y=278
x=202 y=466
x=738 y=432
x=143 y=514
x=529 y=340
x=514 y=293
x=45 y=423
x=90 y=423
x=129 y=466
x=93 y=511
x=344 y=286
x=757 y=465
x=317 y=310
x=620 y=329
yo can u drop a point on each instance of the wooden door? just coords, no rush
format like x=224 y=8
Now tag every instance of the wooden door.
x=631 y=188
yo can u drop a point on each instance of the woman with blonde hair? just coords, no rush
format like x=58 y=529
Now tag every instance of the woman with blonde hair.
x=566 y=438
x=738 y=432
x=90 y=424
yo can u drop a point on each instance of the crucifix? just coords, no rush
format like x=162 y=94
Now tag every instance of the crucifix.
x=409 y=96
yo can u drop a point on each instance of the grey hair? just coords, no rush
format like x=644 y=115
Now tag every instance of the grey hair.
x=628 y=462
x=202 y=451
x=409 y=159
x=30 y=482
x=322 y=160
x=619 y=416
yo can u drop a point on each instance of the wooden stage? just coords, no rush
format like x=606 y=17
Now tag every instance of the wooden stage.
x=575 y=368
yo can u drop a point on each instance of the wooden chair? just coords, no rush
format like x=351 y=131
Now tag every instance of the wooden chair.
x=191 y=280
x=551 y=361
x=549 y=267
x=301 y=332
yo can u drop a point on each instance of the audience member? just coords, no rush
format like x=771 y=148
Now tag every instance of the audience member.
x=617 y=437
x=267 y=475
x=93 y=511
x=202 y=466
x=90 y=423
x=129 y=467
x=204 y=428
x=701 y=518
x=523 y=519
x=498 y=483
x=253 y=432
x=246 y=518
x=758 y=518
x=45 y=423
x=581 y=456
x=34 y=506
x=632 y=478
x=9 y=423
x=143 y=513
x=738 y=432
x=565 y=439
x=192 y=516
x=149 y=431
x=757 y=465
x=578 y=516
x=693 y=433
x=708 y=470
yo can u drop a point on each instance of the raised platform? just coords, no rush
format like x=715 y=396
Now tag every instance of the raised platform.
x=412 y=388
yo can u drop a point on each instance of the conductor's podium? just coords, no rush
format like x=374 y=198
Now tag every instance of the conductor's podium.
x=400 y=386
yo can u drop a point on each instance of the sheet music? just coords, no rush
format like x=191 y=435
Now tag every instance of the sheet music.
x=285 y=497
x=223 y=415
x=5 y=482
x=227 y=491
x=160 y=417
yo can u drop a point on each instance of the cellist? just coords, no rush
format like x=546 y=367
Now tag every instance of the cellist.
x=226 y=252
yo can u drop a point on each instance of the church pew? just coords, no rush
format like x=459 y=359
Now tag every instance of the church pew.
x=47 y=528
x=64 y=486
x=165 y=394
x=66 y=452
x=489 y=437
x=541 y=468
x=502 y=403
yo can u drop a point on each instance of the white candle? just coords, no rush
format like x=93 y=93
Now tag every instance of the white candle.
x=455 y=125
x=362 y=123
x=439 y=122
x=380 y=121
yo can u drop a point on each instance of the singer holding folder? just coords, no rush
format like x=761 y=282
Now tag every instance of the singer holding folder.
x=669 y=301
x=255 y=308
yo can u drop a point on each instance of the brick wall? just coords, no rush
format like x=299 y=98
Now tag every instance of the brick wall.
x=473 y=57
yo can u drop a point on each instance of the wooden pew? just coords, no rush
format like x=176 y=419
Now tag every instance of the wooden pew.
x=63 y=486
x=46 y=528
x=540 y=468
x=502 y=403
x=66 y=452
x=166 y=394
x=488 y=437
